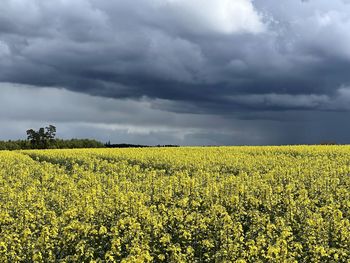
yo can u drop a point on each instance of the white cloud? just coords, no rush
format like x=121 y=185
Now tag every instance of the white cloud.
x=326 y=31
x=219 y=16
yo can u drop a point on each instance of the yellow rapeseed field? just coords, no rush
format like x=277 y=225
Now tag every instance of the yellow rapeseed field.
x=190 y=204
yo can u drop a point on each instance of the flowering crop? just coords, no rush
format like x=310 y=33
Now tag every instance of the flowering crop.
x=191 y=204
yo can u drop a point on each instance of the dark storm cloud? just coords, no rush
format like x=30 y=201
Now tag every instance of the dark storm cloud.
x=177 y=71
x=188 y=51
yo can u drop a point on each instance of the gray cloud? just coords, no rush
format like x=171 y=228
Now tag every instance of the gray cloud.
x=166 y=65
x=144 y=121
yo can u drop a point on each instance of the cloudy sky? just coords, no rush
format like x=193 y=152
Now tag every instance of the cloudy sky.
x=188 y=72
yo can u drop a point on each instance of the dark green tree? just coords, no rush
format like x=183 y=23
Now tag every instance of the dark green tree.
x=43 y=137
x=50 y=132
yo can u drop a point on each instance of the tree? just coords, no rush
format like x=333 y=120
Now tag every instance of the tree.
x=43 y=137
x=51 y=132
x=33 y=136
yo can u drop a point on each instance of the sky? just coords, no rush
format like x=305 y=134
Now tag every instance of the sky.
x=186 y=72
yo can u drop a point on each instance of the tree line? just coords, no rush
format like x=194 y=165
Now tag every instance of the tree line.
x=44 y=138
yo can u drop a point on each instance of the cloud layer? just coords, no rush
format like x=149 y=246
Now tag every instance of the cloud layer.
x=253 y=62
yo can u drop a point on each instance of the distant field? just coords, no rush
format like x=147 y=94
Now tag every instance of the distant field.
x=214 y=204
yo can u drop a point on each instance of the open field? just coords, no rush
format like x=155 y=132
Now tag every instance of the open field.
x=215 y=204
